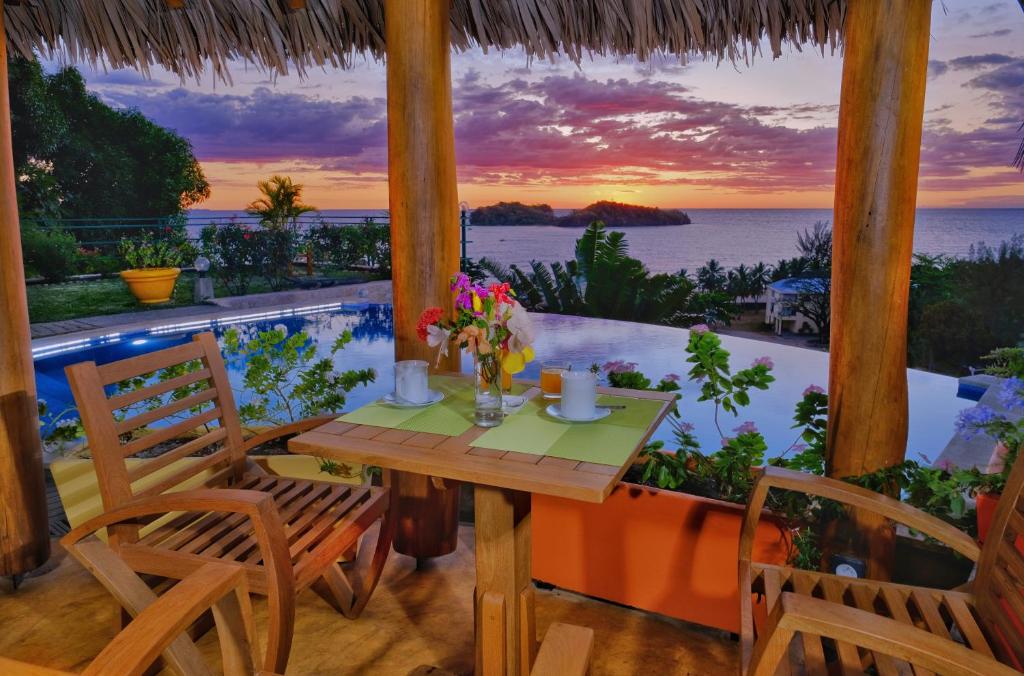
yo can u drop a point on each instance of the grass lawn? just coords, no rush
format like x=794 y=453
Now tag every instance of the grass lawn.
x=71 y=300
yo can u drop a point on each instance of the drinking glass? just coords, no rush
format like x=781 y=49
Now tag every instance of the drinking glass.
x=551 y=378
x=411 y=384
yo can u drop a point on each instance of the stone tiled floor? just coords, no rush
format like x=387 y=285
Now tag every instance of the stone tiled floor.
x=416 y=618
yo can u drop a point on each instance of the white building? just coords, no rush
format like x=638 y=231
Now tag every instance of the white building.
x=780 y=306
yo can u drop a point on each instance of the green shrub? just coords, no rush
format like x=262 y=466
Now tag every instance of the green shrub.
x=171 y=250
x=49 y=252
x=365 y=245
x=234 y=252
x=275 y=250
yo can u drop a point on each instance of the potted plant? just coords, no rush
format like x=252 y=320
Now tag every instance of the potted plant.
x=667 y=538
x=1009 y=437
x=153 y=265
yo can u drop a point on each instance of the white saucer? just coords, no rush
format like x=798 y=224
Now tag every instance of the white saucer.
x=512 y=403
x=555 y=411
x=391 y=399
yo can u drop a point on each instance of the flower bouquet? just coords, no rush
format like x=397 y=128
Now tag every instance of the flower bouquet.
x=490 y=324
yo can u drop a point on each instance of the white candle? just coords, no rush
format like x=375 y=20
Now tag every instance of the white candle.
x=579 y=394
x=411 y=381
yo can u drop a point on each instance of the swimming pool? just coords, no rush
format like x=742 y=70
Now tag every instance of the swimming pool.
x=582 y=341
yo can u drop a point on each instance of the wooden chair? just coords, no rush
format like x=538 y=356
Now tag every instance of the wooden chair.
x=160 y=624
x=239 y=513
x=822 y=623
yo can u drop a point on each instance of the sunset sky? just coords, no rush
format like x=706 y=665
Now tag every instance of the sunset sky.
x=663 y=133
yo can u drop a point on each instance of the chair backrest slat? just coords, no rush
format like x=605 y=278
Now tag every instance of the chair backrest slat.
x=135 y=422
x=200 y=399
x=998 y=586
x=156 y=464
x=174 y=431
x=135 y=396
x=118 y=371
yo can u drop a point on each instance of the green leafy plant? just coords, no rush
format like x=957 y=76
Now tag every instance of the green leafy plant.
x=284 y=378
x=48 y=251
x=280 y=205
x=604 y=281
x=234 y=251
x=171 y=250
x=1005 y=362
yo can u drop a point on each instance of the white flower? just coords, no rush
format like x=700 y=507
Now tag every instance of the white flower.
x=438 y=337
x=521 y=327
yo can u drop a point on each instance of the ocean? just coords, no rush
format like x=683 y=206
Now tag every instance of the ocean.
x=732 y=236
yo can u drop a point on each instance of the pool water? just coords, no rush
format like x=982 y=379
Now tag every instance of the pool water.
x=658 y=350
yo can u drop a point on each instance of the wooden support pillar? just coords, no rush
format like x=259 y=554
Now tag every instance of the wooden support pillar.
x=423 y=198
x=880 y=118
x=24 y=534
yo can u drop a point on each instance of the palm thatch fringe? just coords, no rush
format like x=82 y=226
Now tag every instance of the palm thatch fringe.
x=189 y=36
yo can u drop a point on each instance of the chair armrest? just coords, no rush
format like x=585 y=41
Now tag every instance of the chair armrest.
x=137 y=646
x=861 y=498
x=793 y=613
x=268 y=529
x=285 y=430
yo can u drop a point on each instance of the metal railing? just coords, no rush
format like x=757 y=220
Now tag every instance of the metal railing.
x=106 y=233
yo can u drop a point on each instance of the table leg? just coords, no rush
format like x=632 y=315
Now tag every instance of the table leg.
x=505 y=631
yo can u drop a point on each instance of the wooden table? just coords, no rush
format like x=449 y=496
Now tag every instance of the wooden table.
x=503 y=482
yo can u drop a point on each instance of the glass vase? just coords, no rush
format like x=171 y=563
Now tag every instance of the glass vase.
x=487 y=370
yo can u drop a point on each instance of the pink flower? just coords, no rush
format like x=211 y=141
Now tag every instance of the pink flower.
x=799 y=448
x=686 y=427
x=813 y=389
x=746 y=428
x=670 y=378
x=699 y=329
x=726 y=441
x=619 y=366
x=765 y=361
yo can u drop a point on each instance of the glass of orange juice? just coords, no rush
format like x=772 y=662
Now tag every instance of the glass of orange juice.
x=551 y=378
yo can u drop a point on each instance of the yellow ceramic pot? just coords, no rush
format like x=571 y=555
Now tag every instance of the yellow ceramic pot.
x=151 y=285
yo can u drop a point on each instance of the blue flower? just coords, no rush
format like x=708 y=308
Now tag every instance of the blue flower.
x=973 y=420
x=1011 y=393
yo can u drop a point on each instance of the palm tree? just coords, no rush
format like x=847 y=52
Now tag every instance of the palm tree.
x=759 y=275
x=280 y=205
x=602 y=281
x=711 y=276
x=738 y=282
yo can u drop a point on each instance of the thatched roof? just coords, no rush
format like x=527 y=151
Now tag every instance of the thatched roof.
x=190 y=36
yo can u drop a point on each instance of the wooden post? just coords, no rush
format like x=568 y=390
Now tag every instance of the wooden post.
x=423 y=197
x=880 y=118
x=24 y=534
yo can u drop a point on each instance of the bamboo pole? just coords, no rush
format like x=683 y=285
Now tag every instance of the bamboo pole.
x=880 y=119
x=423 y=198
x=24 y=535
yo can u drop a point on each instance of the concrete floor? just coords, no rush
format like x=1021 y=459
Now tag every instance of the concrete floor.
x=416 y=618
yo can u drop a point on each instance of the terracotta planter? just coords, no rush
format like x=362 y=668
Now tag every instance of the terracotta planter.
x=985 y=504
x=660 y=551
x=151 y=285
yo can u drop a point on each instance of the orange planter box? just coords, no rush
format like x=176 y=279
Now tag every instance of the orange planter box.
x=661 y=551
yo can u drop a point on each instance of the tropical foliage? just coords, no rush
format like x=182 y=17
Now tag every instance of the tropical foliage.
x=726 y=472
x=171 y=250
x=604 y=281
x=963 y=308
x=285 y=380
x=102 y=162
x=280 y=204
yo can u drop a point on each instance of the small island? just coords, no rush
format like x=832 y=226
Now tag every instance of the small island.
x=619 y=215
x=612 y=214
x=513 y=213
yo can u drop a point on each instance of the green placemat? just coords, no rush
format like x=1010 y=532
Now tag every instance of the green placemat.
x=452 y=416
x=606 y=442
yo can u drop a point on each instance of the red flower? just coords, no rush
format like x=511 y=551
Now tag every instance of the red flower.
x=247 y=235
x=430 y=316
x=500 y=292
